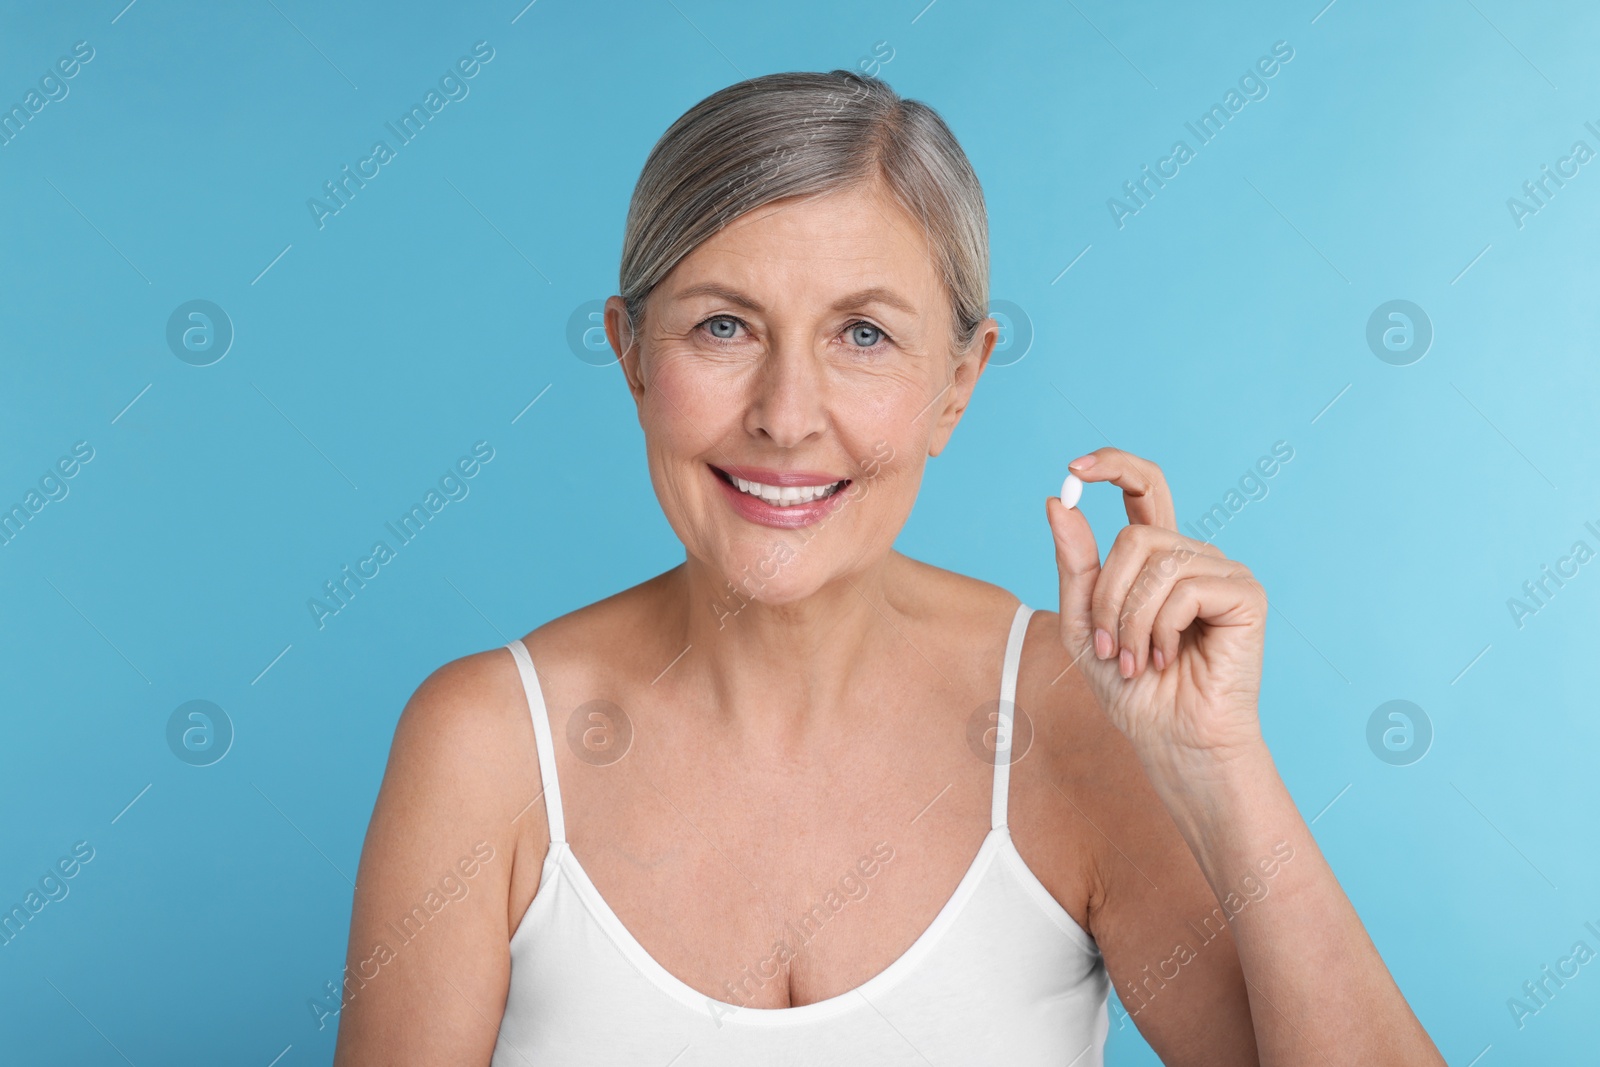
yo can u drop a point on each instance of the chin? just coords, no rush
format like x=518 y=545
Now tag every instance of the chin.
x=779 y=573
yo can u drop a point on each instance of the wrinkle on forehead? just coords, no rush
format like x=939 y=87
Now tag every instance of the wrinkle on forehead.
x=795 y=238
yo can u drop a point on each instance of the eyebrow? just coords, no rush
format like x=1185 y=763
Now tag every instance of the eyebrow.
x=875 y=294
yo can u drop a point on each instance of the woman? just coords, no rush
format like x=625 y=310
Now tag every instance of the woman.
x=802 y=799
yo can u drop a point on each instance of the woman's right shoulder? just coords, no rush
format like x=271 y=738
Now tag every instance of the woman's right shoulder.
x=461 y=742
x=465 y=738
x=469 y=723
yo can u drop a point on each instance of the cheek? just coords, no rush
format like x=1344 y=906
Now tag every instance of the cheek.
x=685 y=414
x=678 y=475
x=690 y=396
x=679 y=414
x=889 y=430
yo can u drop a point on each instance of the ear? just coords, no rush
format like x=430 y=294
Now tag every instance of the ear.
x=964 y=375
x=624 y=344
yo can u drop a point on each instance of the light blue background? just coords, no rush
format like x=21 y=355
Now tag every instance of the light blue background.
x=1230 y=313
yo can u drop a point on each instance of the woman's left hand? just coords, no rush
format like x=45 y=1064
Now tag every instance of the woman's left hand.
x=1179 y=626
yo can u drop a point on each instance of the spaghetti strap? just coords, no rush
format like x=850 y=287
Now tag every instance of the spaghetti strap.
x=1007 y=715
x=541 y=732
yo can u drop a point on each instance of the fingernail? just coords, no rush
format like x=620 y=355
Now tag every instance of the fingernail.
x=1102 y=644
x=1158 y=659
x=1125 y=661
x=1082 y=463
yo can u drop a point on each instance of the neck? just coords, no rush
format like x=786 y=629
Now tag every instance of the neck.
x=779 y=670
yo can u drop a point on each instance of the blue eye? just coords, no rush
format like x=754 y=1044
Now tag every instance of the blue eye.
x=722 y=327
x=866 y=334
x=863 y=334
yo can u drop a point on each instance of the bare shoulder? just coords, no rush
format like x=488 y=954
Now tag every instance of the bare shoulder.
x=1085 y=752
x=1084 y=816
x=465 y=759
x=958 y=602
x=573 y=640
x=458 y=753
x=439 y=855
x=599 y=649
x=1094 y=828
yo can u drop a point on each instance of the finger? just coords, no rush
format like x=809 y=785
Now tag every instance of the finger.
x=1163 y=569
x=1124 y=563
x=1078 y=563
x=1144 y=488
x=1214 y=600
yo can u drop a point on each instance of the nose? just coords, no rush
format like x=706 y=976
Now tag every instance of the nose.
x=788 y=402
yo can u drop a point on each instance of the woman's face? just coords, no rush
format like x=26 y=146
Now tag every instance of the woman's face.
x=804 y=349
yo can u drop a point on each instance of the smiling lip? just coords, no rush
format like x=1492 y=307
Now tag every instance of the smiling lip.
x=792 y=516
x=767 y=476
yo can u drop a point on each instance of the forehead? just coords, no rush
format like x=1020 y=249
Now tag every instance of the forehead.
x=850 y=239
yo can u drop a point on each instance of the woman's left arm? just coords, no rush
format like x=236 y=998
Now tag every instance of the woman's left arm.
x=1169 y=636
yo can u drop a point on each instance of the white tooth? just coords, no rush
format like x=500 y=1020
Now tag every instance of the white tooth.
x=785 y=496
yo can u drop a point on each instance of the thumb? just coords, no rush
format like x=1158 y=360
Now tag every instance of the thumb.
x=1078 y=561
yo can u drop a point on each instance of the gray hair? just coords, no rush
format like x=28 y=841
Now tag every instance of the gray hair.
x=805 y=133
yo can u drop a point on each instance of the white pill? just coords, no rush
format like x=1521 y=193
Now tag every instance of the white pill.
x=1071 y=490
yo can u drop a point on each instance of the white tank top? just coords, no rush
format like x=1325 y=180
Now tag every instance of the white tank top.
x=1004 y=975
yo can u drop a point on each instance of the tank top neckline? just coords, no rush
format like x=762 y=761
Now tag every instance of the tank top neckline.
x=997 y=846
